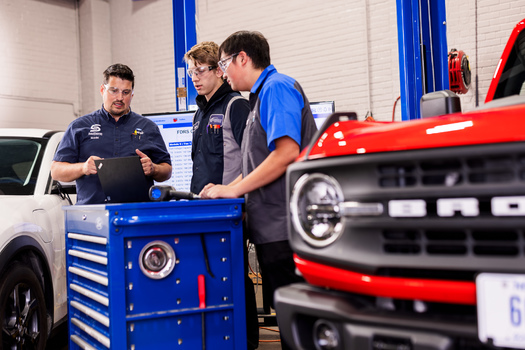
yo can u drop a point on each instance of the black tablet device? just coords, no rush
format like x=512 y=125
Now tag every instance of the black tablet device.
x=123 y=180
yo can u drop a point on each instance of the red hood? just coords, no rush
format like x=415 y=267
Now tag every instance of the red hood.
x=478 y=127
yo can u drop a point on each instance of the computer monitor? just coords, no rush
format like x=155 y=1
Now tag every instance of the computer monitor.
x=177 y=130
x=321 y=111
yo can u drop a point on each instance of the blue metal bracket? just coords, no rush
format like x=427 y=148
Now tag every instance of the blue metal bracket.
x=184 y=37
x=423 y=53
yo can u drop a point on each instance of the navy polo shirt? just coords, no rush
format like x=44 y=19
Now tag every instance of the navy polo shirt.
x=98 y=134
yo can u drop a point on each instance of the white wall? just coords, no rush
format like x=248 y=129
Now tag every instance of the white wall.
x=136 y=33
x=143 y=39
x=342 y=50
x=53 y=52
x=347 y=50
x=39 y=63
x=95 y=50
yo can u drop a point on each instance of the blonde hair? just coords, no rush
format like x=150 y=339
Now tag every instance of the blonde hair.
x=206 y=52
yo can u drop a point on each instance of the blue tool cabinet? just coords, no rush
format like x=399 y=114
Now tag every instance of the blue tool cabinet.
x=134 y=271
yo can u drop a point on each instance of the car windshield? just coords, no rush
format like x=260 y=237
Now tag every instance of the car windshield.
x=19 y=166
x=513 y=74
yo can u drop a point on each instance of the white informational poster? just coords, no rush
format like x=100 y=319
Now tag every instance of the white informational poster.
x=177 y=130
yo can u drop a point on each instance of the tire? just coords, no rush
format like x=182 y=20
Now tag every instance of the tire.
x=22 y=310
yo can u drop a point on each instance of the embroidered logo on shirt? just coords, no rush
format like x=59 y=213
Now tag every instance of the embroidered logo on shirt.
x=95 y=132
x=137 y=134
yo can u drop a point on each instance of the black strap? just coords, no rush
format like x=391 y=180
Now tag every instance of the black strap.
x=255 y=95
x=206 y=260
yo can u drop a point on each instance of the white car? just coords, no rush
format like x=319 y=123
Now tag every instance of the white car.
x=33 y=297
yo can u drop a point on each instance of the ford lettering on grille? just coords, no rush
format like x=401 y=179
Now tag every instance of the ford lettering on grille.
x=448 y=207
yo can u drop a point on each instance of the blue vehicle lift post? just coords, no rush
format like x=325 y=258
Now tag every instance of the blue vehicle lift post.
x=184 y=37
x=423 y=53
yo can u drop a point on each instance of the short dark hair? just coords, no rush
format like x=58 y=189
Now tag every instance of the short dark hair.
x=253 y=43
x=121 y=71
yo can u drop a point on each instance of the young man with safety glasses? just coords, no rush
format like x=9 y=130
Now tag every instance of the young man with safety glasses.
x=219 y=122
x=218 y=127
x=279 y=126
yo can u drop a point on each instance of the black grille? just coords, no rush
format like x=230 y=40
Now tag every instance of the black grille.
x=454 y=242
x=451 y=171
x=397 y=175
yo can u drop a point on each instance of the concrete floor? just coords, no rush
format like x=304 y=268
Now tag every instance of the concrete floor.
x=269 y=338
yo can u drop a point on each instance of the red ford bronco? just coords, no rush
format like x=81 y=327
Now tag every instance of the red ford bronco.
x=411 y=235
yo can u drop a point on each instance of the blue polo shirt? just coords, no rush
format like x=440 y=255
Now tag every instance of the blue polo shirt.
x=98 y=134
x=281 y=105
x=279 y=108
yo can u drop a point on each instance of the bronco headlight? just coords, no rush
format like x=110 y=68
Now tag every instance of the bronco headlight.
x=315 y=209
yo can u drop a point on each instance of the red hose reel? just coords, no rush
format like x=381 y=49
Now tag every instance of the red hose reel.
x=459 y=71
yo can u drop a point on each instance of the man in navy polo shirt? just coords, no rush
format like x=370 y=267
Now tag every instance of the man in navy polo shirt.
x=110 y=132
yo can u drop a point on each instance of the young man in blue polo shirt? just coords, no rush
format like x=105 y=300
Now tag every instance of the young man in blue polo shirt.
x=110 y=132
x=279 y=126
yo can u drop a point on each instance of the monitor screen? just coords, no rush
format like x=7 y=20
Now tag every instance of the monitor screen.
x=177 y=130
x=321 y=111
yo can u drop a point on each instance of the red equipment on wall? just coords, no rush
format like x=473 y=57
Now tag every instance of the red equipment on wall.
x=459 y=71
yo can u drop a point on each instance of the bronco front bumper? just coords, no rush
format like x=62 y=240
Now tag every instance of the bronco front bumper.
x=309 y=317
